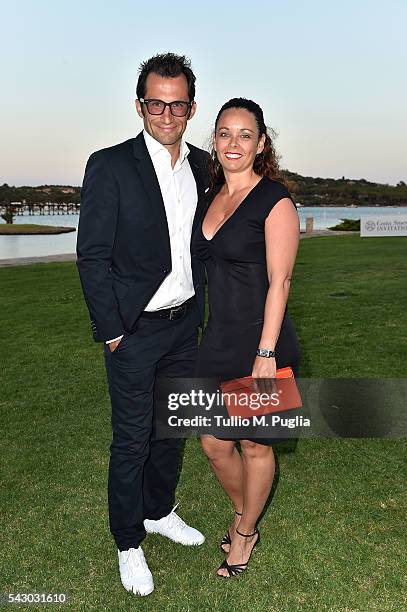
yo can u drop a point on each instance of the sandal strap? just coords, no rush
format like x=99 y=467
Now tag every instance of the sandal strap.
x=236 y=565
x=238 y=513
x=247 y=535
x=226 y=539
x=233 y=569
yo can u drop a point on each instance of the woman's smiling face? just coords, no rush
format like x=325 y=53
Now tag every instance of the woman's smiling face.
x=237 y=139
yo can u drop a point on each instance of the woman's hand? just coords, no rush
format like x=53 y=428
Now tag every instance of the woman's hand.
x=264 y=368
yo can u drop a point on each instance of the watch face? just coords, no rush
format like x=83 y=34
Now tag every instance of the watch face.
x=265 y=353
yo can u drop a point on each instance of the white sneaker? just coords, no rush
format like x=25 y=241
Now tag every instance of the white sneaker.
x=134 y=571
x=173 y=527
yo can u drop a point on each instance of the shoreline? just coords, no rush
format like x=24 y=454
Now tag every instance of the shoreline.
x=353 y=207
x=33 y=229
x=36 y=259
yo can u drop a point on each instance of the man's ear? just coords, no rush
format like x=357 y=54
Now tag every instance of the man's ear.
x=139 y=109
x=192 y=110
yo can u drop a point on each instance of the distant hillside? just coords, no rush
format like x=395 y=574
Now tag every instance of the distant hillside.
x=310 y=191
x=43 y=194
x=306 y=190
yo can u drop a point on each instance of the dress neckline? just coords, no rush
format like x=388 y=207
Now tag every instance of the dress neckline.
x=233 y=213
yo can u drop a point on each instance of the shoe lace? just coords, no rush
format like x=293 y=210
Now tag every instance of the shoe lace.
x=137 y=560
x=175 y=521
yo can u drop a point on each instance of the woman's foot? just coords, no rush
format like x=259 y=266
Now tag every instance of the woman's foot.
x=239 y=555
x=228 y=537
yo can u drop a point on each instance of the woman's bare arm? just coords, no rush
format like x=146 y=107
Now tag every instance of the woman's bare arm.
x=282 y=232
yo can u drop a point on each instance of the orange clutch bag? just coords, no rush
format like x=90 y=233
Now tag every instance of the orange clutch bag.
x=247 y=397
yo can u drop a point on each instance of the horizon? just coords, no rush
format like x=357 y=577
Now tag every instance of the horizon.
x=327 y=178
x=326 y=77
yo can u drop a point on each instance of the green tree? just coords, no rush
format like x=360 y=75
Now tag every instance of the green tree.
x=9 y=212
x=8 y=197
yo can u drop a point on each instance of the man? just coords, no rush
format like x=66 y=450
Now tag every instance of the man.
x=141 y=200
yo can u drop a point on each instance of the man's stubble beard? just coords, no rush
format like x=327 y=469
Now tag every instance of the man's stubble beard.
x=170 y=141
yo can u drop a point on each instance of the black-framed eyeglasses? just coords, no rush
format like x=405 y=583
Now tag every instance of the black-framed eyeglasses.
x=178 y=108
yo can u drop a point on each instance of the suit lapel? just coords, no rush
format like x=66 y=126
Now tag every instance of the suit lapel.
x=146 y=171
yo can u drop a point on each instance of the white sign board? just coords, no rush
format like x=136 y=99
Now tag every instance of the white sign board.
x=385 y=225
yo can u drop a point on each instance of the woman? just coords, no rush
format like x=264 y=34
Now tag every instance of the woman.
x=248 y=241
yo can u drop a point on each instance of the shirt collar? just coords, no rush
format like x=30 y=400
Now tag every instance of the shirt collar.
x=154 y=147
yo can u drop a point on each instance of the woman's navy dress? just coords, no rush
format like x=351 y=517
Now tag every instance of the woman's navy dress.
x=235 y=261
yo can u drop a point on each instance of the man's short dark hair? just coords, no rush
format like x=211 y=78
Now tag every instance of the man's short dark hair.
x=166 y=65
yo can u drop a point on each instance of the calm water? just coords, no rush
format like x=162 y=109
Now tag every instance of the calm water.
x=30 y=246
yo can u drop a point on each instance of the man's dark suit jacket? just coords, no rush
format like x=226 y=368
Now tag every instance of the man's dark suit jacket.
x=123 y=243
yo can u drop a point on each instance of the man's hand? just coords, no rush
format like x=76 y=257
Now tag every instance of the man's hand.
x=113 y=345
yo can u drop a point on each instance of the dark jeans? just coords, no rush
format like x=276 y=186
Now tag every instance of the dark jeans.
x=143 y=471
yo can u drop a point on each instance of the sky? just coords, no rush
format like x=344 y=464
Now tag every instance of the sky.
x=330 y=77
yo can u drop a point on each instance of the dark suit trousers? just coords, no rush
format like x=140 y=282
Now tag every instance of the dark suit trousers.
x=143 y=470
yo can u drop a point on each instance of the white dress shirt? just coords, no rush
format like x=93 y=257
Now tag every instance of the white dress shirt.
x=178 y=189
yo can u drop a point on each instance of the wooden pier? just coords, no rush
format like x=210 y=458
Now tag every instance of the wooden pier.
x=46 y=208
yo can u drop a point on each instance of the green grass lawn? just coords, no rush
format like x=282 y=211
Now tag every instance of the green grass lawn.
x=334 y=534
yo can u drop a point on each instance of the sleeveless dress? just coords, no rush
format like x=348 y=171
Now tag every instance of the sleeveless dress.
x=235 y=261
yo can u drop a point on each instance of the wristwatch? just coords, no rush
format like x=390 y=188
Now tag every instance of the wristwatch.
x=263 y=352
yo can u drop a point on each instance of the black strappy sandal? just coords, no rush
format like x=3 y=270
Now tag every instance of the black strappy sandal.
x=227 y=539
x=238 y=568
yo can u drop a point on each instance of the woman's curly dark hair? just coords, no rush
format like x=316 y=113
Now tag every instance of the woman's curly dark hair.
x=266 y=163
